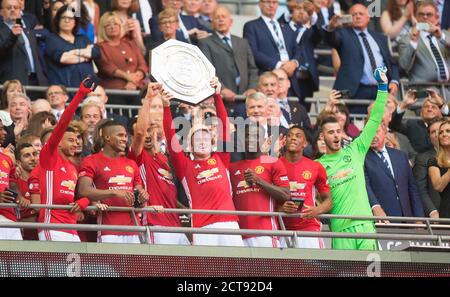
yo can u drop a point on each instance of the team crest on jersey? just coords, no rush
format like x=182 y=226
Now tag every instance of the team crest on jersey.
x=5 y=164
x=306 y=175
x=243 y=184
x=294 y=186
x=259 y=169
x=69 y=184
x=3 y=174
x=212 y=162
x=207 y=173
x=164 y=173
x=347 y=159
x=120 y=180
x=129 y=169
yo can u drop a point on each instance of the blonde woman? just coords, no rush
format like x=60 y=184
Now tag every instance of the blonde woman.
x=121 y=65
x=438 y=169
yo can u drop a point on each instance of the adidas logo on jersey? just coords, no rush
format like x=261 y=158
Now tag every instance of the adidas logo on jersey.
x=197 y=166
x=106 y=169
x=237 y=172
x=63 y=169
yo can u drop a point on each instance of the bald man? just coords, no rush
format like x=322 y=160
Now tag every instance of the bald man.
x=40 y=105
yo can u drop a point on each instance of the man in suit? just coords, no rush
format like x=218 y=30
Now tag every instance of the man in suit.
x=361 y=51
x=190 y=29
x=390 y=184
x=102 y=100
x=206 y=12
x=425 y=55
x=18 y=49
x=444 y=13
x=231 y=56
x=147 y=9
x=274 y=45
x=430 y=197
x=416 y=129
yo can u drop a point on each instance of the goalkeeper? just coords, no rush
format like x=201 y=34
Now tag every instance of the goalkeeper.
x=345 y=172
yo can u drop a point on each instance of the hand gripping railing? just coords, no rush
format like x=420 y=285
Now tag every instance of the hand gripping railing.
x=146 y=230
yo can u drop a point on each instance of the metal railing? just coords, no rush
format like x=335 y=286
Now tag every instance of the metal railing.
x=145 y=231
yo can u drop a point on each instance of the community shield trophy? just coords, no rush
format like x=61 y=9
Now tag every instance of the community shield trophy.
x=183 y=70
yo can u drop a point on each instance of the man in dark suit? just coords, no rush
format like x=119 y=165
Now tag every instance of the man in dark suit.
x=416 y=129
x=102 y=100
x=18 y=49
x=390 y=184
x=190 y=29
x=231 y=56
x=430 y=197
x=361 y=51
x=273 y=45
x=147 y=9
x=444 y=12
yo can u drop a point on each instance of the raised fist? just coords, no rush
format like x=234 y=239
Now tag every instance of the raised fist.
x=380 y=75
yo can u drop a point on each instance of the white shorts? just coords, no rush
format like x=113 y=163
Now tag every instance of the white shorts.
x=119 y=239
x=219 y=239
x=304 y=242
x=9 y=233
x=262 y=241
x=168 y=238
x=51 y=235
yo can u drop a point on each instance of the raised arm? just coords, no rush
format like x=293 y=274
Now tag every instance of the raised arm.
x=47 y=157
x=221 y=111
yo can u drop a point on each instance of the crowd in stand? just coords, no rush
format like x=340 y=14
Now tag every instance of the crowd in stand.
x=175 y=155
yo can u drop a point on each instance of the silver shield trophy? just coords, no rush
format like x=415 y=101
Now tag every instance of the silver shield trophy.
x=183 y=70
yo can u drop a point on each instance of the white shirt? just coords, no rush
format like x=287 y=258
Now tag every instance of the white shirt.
x=56 y=112
x=146 y=12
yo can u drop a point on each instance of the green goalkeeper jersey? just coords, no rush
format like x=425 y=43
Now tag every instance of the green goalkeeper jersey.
x=345 y=171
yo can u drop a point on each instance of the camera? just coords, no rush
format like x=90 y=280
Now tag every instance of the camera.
x=346 y=19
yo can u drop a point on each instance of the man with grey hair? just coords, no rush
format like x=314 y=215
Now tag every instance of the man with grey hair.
x=91 y=114
x=19 y=109
x=40 y=105
x=102 y=97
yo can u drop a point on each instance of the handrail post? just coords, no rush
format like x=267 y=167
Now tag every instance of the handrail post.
x=147 y=235
x=133 y=214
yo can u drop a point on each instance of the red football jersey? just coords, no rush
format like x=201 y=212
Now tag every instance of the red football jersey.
x=252 y=197
x=7 y=176
x=206 y=182
x=25 y=191
x=112 y=174
x=158 y=181
x=305 y=177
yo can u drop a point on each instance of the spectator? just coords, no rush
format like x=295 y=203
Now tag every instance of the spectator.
x=93 y=11
x=263 y=181
x=361 y=52
x=157 y=173
x=168 y=25
x=425 y=53
x=438 y=169
x=50 y=13
x=131 y=27
x=114 y=186
x=19 y=57
x=274 y=46
x=190 y=29
x=41 y=121
x=416 y=129
x=192 y=7
x=91 y=115
x=390 y=184
x=231 y=56
x=69 y=55
x=340 y=110
x=147 y=9
x=121 y=64
x=444 y=13
x=305 y=176
x=205 y=174
x=345 y=170
x=100 y=98
x=55 y=178
x=57 y=97
x=10 y=89
x=40 y=105
x=206 y=13
x=293 y=112
x=303 y=25
x=397 y=20
x=20 y=111
x=86 y=26
x=35 y=141
x=430 y=197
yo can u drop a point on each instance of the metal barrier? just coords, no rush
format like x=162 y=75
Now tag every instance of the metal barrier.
x=146 y=230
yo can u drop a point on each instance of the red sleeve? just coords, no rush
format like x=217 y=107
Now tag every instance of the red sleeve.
x=322 y=180
x=83 y=203
x=47 y=157
x=87 y=168
x=279 y=174
x=132 y=156
x=12 y=171
x=222 y=115
x=33 y=182
x=137 y=176
x=179 y=160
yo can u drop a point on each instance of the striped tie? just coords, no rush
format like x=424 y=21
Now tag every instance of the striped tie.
x=438 y=58
x=385 y=162
x=369 y=51
x=278 y=41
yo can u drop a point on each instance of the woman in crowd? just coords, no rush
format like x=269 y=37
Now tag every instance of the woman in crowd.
x=69 y=56
x=438 y=169
x=121 y=64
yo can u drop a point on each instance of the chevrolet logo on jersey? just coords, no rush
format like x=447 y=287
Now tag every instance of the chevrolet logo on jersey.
x=165 y=173
x=342 y=174
x=3 y=174
x=69 y=184
x=296 y=186
x=119 y=179
x=243 y=184
x=207 y=173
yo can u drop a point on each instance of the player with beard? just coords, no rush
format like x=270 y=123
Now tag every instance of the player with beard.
x=110 y=178
x=345 y=170
x=305 y=178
